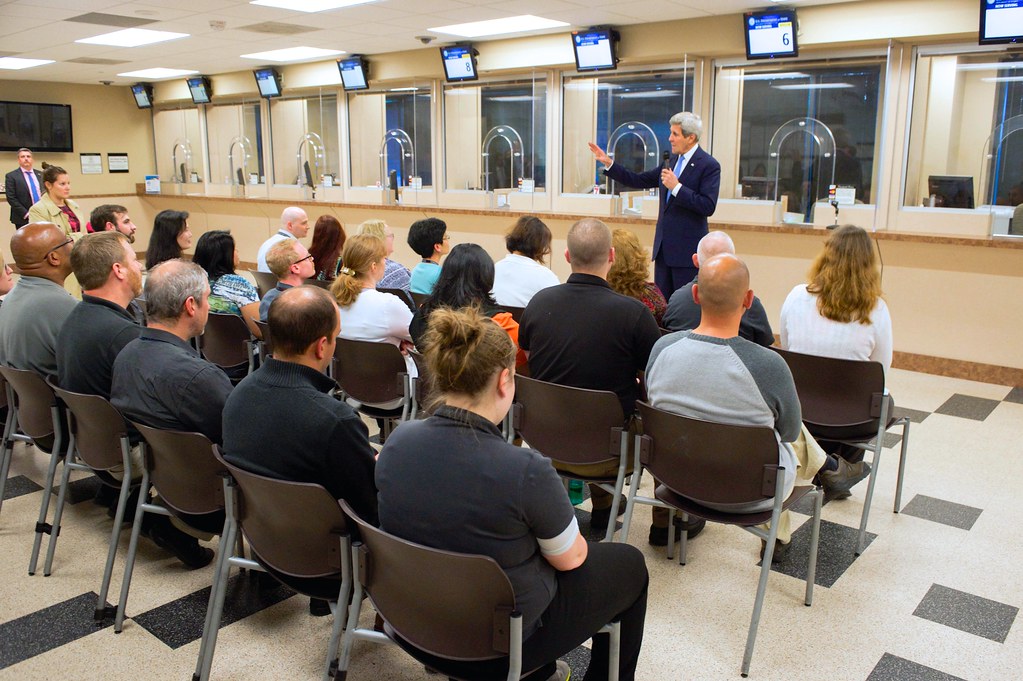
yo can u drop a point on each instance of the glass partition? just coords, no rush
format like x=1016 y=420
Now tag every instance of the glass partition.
x=626 y=114
x=235 y=134
x=495 y=135
x=178 y=136
x=389 y=132
x=304 y=131
x=965 y=147
x=801 y=128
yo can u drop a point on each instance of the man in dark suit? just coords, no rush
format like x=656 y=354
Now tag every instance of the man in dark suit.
x=21 y=191
x=689 y=182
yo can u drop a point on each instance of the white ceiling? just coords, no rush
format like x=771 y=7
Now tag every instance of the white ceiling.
x=40 y=29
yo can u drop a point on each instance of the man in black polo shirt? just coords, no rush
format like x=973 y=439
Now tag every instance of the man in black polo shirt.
x=583 y=334
x=282 y=421
x=100 y=326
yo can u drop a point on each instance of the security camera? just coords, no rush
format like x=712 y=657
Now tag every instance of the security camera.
x=106 y=82
x=425 y=39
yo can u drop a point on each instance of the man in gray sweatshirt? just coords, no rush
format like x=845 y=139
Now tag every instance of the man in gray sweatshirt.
x=713 y=374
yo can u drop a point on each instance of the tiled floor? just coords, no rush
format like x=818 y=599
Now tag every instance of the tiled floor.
x=934 y=596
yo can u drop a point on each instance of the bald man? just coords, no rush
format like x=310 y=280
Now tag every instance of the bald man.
x=34 y=312
x=683 y=312
x=294 y=225
x=711 y=373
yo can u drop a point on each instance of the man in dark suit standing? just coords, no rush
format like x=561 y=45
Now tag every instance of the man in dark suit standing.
x=689 y=182
x=23 y=187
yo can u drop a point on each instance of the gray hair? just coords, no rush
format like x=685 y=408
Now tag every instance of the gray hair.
x=291 y=213
x=714 y=243
x=690 y=123
x=169 y=285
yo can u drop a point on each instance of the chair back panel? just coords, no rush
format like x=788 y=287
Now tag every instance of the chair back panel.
x=516 y=312
x=294 y=527
x=97 y=426
x=264 y=281
x=451 y=605
x=569 y=425
x=424 y=386
x=183 y=469
x=223 y=341
x=369 y=372
x=419 y=298
x=33 y=399
x=268 y=342
x=403 y=296
x=710 y=463
x=836 y=392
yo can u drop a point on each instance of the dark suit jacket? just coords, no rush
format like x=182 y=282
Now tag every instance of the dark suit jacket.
x=19 y=196
x=682 y=221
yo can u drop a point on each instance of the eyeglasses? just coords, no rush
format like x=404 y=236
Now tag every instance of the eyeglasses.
x=60 y=246
x=308 y=257
x=447 y=238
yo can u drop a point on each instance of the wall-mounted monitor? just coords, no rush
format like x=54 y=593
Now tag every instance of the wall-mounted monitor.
x=40 y=127
x=354 y=73
x=771 y=34
x=1001 y=21
x=143 y=94
x=950 y=191
x=459 y=63
x=269 y=82
x=595 y=49
x=200 y=89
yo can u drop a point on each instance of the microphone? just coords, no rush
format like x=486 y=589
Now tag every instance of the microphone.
x=664 y=161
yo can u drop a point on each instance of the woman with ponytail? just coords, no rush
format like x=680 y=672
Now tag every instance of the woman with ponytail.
x=452 y=482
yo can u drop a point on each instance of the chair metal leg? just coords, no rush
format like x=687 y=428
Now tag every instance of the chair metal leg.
x=902 y=464
x=69 y=465
x=630 y=504
x=872 y=481
x=10 y=427
x=811 y=568
x=44 y=505
x=133 y=545
x=353 y=622
x=215 y=608
x=614 y=651
x=102 y=610
x=340 y=610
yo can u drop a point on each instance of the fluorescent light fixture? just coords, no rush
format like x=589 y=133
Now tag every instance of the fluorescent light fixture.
x=309 y=5
x=512 y=98
x=292 y=54
x=157 y=73
x=649 y=95
x=1003 y=79
x=18 y=63
x=519 y=24
x=774 y=75
x=132 y=37
x=990 y=66
x=404 y=89
x=813 y=86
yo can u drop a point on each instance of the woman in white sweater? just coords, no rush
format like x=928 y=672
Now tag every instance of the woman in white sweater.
x=840 y=312
x=520 y=274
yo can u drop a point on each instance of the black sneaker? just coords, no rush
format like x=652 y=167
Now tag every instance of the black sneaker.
x=693 y=526
x=186 y=548
x=599 y=518
x=319 y=607
x=781 y=551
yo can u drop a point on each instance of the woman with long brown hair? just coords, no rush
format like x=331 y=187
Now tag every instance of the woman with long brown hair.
x=840 y=312
x=630 y=273
x=328 y=241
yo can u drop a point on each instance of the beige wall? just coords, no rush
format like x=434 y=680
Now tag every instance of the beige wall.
x=103 y=119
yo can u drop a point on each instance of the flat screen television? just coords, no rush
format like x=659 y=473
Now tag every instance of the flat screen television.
x=269 y=82
x=951 y=191
x=771 y=34
x=200 y=89
x=354 y=73
x=143 y=94
x=40 y=127
x=595 y=49
x=1001 y=21
x=459 y=63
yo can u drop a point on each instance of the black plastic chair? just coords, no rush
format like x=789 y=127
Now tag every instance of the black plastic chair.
x=227 y=343
x=419 y=298
x=265 y=344
x=36 y=411
x=297 y=533
x=516 y=312
x=574 y=426
x=402 y=294
x=10 y=436
x=99 y=437
x=374 y=374
x=264 y=281
x=846 y=401
x=698 y=462
x=443 y=608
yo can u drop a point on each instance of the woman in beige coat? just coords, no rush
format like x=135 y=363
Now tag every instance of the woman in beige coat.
x=56 y=206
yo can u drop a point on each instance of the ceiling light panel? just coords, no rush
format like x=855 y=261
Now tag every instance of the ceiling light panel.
x=291 y=54
x=518 y=24
x=157 y=73
x=309 y=5
x=132 y=37
x=18 y=63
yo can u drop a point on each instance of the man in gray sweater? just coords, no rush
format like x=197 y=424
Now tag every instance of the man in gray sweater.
x=713 y=374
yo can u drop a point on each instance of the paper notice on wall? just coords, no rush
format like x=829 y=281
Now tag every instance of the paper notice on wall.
x=152 y=184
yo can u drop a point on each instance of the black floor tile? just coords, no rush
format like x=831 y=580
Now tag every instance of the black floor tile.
x=941 y=511
x=967 y=407
x=78 y=490
x=837 y=551
x=914 y=415
x=579 y=661
x=583 y=518
x=47 y=629
x=966 y=612
x=180 y=622
x=18 y=486
x=1015 y=395
x=891 y=439
x=893 y=668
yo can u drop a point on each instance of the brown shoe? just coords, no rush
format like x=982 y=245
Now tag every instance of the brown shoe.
x=839 y=481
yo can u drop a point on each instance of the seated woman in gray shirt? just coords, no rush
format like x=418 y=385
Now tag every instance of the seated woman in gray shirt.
x=452 y=482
